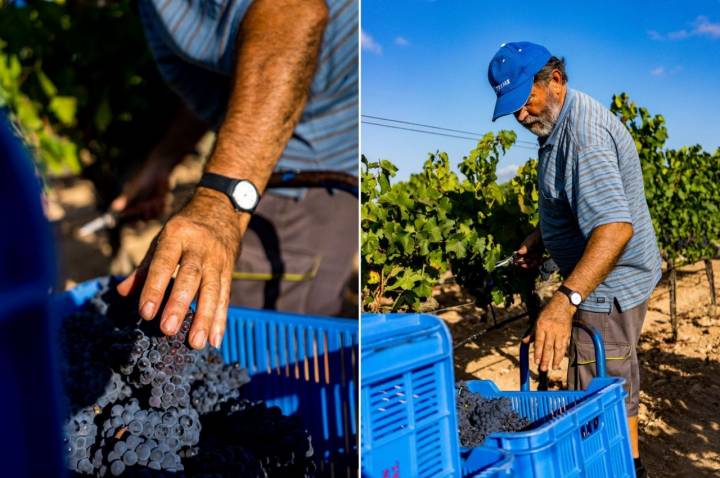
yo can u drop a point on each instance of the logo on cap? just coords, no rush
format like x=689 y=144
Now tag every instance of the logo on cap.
x=502 y=85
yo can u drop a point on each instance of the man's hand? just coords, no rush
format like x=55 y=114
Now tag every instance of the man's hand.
x=552 y=332
x=530 y=251
x=144 y=194
x=201 y=241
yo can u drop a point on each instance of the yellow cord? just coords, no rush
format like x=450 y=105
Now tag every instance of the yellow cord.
x=290 y=277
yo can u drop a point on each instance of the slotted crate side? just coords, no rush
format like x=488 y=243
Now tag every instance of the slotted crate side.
x=409 y=426
x=305 y=366
x=485 y=462
x=578 y=433
x=430 y=450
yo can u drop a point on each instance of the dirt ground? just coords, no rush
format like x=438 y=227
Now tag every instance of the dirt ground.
x=680 y=383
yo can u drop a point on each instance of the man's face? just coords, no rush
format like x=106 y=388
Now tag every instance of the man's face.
x=541 y=111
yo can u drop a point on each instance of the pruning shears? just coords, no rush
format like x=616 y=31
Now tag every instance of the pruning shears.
x=507 y=261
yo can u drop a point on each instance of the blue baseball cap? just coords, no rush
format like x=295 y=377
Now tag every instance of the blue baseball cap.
x=511 y=74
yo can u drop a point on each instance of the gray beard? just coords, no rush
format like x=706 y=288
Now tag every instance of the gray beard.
x=543 y=124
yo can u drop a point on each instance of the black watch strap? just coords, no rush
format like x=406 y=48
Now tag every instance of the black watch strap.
x=217 y=182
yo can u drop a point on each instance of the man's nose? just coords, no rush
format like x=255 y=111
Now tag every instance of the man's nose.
x=521 y=114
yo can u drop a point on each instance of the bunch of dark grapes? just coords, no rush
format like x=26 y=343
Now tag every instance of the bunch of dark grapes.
x=281 y=444
x=478 y=417
x=138 y=401
x=216 y=383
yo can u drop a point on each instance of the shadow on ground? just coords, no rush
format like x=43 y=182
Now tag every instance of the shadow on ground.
x=679 y=391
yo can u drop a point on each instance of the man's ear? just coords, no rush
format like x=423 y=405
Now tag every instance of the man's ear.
x=556 y=82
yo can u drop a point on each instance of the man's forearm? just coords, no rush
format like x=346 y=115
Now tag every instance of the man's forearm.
x=603 y=249
x=277 y=53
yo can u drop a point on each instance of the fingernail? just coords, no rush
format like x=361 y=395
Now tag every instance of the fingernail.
x=147 y=310
x=170 y=324
x=216 y=340
x=198 y=339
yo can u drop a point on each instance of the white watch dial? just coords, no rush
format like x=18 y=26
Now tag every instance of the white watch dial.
x=575 y=298
x=245 y=195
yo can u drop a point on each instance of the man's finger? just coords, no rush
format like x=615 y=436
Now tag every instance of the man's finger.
x=207 y=305
x=183 y=292
x=137 y=277
x=162 y=265
x=119 y=203
x=218 y=327
x=126 y=286
x=559 y=352
x=548 y=349
x=539 y=344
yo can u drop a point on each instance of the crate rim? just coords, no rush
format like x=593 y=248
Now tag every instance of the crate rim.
x=605 y=386
x=79 y=291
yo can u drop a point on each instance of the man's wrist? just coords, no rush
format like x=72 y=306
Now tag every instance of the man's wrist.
x=207 y=199
x=561 y=302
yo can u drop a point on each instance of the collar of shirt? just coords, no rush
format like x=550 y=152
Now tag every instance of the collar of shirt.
x=552 y=137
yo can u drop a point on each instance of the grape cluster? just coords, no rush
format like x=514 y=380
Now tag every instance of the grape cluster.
x=216 y=383
x=478 y=417
x=142 y=404
x=256 y=427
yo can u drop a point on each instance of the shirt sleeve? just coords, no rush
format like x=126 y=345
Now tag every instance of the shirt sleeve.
x=598 y=195
x=201 y=32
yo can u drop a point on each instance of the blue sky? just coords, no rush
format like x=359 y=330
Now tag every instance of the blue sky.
x=426 y=62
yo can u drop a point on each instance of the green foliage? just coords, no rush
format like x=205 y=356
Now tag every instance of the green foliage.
x=681 y=186
x=524 y=186
x=59 y=154
x=78 y=79
x=414 y=231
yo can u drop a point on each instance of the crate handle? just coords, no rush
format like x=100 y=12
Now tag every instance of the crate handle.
x=599 y=355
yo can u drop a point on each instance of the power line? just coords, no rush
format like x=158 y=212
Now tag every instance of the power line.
x=436 y=133
x=529 y=143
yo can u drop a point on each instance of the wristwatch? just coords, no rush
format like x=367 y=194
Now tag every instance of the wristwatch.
x=243 y=194
x=574 y=296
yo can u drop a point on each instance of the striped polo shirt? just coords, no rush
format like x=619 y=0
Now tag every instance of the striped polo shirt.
x=589 y=175
x=194 y=45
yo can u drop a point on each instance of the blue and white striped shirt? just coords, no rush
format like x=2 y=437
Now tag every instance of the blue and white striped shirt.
x=194 y=45
x=588 y=175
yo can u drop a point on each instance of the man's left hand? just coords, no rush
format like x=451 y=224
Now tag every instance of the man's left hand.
x=203 y=239
x=552 y=332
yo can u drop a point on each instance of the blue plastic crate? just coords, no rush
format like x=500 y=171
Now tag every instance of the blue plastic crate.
x=28 y=356
x=305 y=365
x=409 y=426
x=484 y=462
x=572 y=433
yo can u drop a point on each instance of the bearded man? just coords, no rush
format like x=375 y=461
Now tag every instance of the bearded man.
x=594 y=221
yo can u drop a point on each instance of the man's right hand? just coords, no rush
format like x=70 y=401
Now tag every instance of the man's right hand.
x=530 y=252
x=144 y=194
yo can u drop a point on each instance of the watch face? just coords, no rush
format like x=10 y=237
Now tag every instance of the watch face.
x=575 y=298
x=245 y=195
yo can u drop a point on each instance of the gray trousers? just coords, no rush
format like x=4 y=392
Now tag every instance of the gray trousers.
x=620 y=332
x=288 y=235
